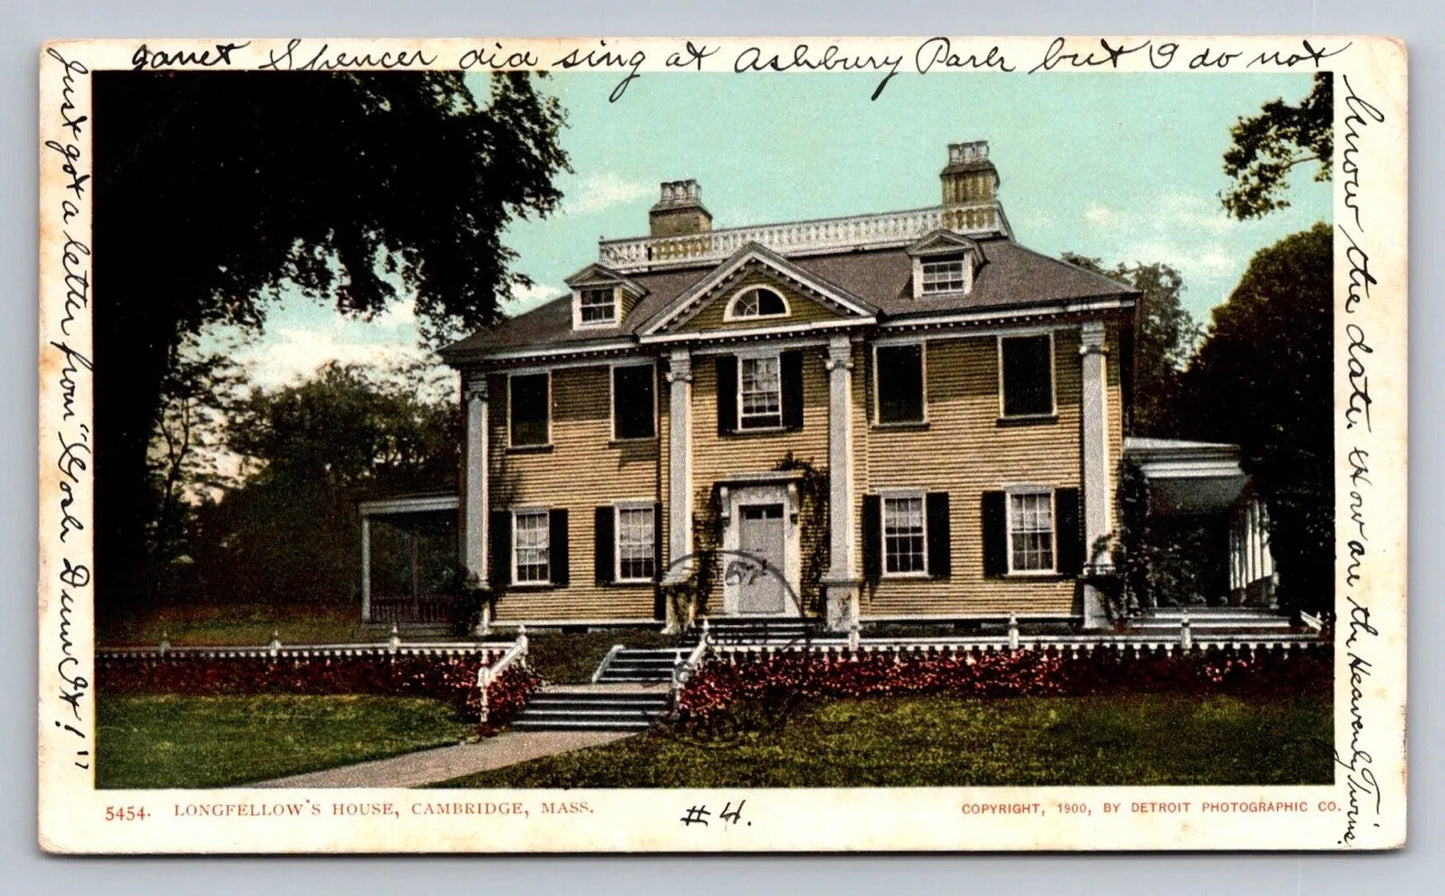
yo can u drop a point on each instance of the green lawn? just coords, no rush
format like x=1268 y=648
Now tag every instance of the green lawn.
x=938 y=741
x=573 y=657
x=247 y=626
x=163 y=740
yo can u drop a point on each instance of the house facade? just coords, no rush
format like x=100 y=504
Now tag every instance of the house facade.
x=896 y=416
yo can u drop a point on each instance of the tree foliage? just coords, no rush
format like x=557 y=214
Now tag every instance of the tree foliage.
x=1267 y=146
x=288 y=532
x=1262 y=380
x=1164 y=340
x=216 y=190
x=185 y=462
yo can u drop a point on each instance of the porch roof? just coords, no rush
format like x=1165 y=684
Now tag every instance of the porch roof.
x=417 y=502
x=1188 y=477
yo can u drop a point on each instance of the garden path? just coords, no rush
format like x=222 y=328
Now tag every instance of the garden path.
x=444 y=763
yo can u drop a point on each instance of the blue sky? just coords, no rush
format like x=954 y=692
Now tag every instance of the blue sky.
x=1125 y=167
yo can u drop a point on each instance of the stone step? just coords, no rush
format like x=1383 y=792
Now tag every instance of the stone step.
x=577 y=712
x=1261 y=626
x=596 y=707
x=522 y=724
x=598 y=698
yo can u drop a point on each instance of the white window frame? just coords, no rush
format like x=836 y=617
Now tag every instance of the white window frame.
x=878 y=383
x=578 y=321
x=617 y=510
x=511 y=442
x=884 y=496
x=612 y=400
x=546 y=515
x=1053 y=410
x=965 y=257
x=777 y=359
x=1010 y=493
x=730 y=313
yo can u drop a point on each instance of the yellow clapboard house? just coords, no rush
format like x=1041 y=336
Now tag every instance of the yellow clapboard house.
x=897 y=416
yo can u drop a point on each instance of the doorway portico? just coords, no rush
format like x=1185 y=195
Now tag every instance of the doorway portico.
x=761 y=559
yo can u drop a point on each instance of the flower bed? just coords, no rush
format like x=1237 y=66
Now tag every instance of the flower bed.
x=768 y=677
x=507 y=695
x=451 y=678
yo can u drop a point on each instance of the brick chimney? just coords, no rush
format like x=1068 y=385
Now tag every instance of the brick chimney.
x=679 y=212
x=970 y=187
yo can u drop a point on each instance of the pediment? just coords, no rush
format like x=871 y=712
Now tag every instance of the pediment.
x=718 y=301
x=941 y=242
x=601 y=275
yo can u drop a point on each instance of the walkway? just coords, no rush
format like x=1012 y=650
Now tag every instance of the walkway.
x=445 y=763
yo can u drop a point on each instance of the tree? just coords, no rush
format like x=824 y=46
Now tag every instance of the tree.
x=188 y=443
x=1269 y=145
x=287 y=533
x=1163 y=341
x=216 y=190
x=1262 y=380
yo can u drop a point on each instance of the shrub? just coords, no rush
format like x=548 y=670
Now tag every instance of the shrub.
x=452 y=679
x=773 y=678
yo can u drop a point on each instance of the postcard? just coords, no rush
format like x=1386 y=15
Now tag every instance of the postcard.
x=716 y=444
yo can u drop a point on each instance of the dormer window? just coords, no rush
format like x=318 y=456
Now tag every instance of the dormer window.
x=597 y=306
x=601 y=297
x=756 y=302
x=944 y=263
x=943 y=274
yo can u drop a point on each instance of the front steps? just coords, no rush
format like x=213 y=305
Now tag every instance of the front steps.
x=1213 y=621
x=598 y=707
x=762 y=631
x=639 y=665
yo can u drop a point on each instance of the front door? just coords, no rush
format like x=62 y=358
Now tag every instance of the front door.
x=760 y=538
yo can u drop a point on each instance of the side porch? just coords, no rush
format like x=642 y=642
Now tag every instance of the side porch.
x=410 y=575
x=1201 y=501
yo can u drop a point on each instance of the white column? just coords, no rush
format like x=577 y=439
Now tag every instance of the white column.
x=1094 y=356
x=365 y=568
x=475 y=499
x=679 y=468
x=841 y=579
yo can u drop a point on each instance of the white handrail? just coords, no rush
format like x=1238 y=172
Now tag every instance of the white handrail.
x=693 y=661
x=489 y=674
x=606 y=661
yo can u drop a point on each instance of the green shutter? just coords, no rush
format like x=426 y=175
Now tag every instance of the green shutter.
x=603 y=527
x=500 y=546
x=995 y=534
x=557 y=548
x=940 y=547
x=872 y=538
x=1068 y=531
x=790 y=369
x=727 y=394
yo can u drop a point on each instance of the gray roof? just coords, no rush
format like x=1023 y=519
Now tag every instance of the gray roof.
x=1011 y=277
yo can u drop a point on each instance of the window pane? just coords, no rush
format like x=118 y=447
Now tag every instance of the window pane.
x=903 y=535
x=531 y=546
x=632 y=402
x=762 y=398
x=635 y=552
x=1031 y=531
x=900 y=384
x=529 y=409
x=943 y=274
x=598 y=305
x=759 y=303
x=1028 y=384
x=770 y=302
